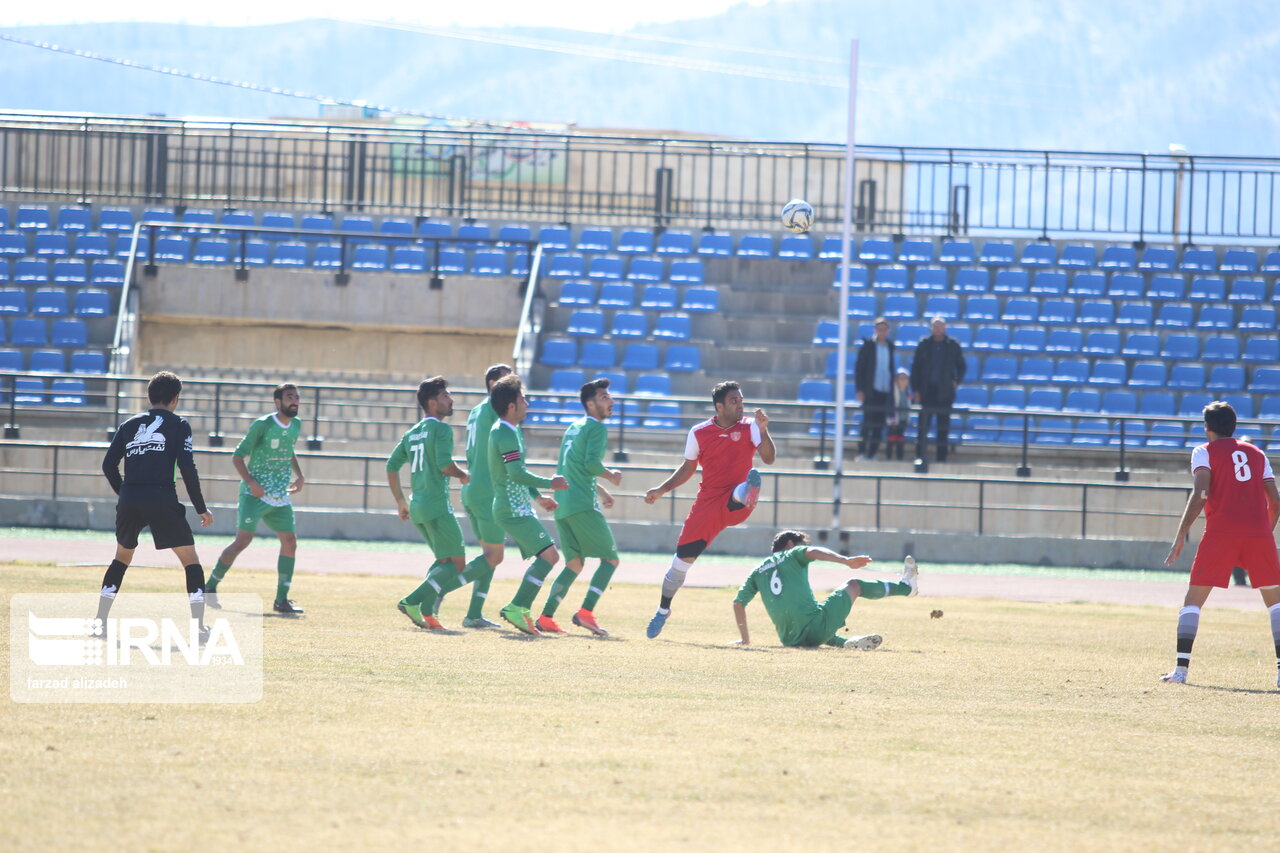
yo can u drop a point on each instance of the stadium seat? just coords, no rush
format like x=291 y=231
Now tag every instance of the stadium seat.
x=50 y=302
x=515 y=236
x=972 y=281
x=566 y=381
x=676 y=327
x=107 y=274
x=12 y=246
x=555 y=238
x=1242 y=403
x=629 y=324
x=1139 y=314
x=1167 y=287
x=858 y=277
x=1215 y=317
x=956 y=253
x=199 y=217
x=1158 y=259
x=996 y=254
x=634 y=242
x=1125 y=286
x=686 y=272
x=1181 y=347
x=1011 y=281
x=358 y=228
x=1085 y=401
x=702 y=300
x=1036 y=371
x=605 y=268
x=1028 y=340
x=13 y=303
x=1166 y=435
x=930 y=279
x=876 y=251
x=277 y=222
x=256 y=253
x=1266 y=380
x=92 y=246
x=662 y=416
x=1049 y=283
x=1109 y=373
x=69 y=333
x=1239 y=261
x=656 y=297
x=755 y=246
x=683 y=358
x=1199 y=260
x=1141 y=345
x=862 y=307
x=1020 y=311
x=1096 y=313
x=1189 y=377
x=1247 y=290
x=1058 y=312
x=595 y=240
x=1261 y=351
x=899 y=306
x=67 y=392
x=175 y=250
x=92 y=303
x=1057 y=431
x=567 y=266
x=894 y=278
x=47 y=361
x=29 y=392
x=451 y=262
x=328 y=256
x=1118 y=258
x=10 y=360
x=795 y=247
x=1208 y=290
x=992 y=338
x=718 y=245
x=981 y=428
x=1226 y=378
x=1009 y=398
x=31 y=271
x=1119 y=403
x=1078 y=256
x=947 y=307
x=1221 y=348
x=1088 y=284
x=832 y=249
x=1149 y=374
x=677 y=243
x=89 y=362
x=519 y=264
x=124 y=247
x=32 y=218
x=816 y=391
x=489 y=263
x=972 y=397
x=52 y=245
x=285 y=255
x=315 y=223
x=915 y=252
x=978 y=309
x=638 y=356
x=1102 y=343
x=831 y=363
x=586 y=324
x=115 y=219
x=1091 y=432
x=1157 y=403
x=1065 y=341
x=403 y=259
x=998 y=368
x=652 y=385
x=1039 y=255
x=209 y=251
x=559 y=353
x=237 y=219
x=600 y=355
x=617 y=294
x=646 y=271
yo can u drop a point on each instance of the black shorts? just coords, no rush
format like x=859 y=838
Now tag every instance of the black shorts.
x=158 y=509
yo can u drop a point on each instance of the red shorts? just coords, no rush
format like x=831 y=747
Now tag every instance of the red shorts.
x=1219 y=553
x=708 y=516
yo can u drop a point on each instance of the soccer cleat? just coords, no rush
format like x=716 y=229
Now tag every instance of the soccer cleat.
x=1179 y=676
x=478 y=622
x=204 y=634
x=211 y=600
x=286 y=607
x=519 y=619
x=753 y=488
x=547 y=625
x=865 y=643
x=414 y=612
x=431 y=623
x=655 y=624
x=910 y=574
x=586 y=619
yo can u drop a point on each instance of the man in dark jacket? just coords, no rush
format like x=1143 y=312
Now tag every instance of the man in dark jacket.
x=936 y=371
x=873 y=379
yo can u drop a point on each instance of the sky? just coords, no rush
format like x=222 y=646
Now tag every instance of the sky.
x=571 y=14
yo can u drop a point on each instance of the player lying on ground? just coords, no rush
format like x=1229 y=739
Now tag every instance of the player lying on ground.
x=783 y=584
x=266 y=494
x=1234 y=485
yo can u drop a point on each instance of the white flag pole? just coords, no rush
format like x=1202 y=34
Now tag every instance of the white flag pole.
x=846 y=255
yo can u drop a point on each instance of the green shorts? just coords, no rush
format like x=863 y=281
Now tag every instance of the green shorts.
x=528 y=532
x=586 y=534
x=251 y=510
x=483 y=526
x=830 y=618
x=442 y=533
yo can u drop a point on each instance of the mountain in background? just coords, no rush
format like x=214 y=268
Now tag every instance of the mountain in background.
x=1076 y=74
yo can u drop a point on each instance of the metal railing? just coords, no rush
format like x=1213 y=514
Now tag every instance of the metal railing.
x=412 y=170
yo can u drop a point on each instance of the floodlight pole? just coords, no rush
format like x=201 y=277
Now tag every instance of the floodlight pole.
x=846 y=256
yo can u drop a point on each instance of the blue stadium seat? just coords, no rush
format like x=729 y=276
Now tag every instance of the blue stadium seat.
x=755 y=246
x=1091 y=432
x=403 y=258
x=1141 y=345
x=930 y=278
x=677 y=243
x=13 y=246
x=999 y=368
x=359 y=228
x=862 y=307
x=638 y=356
x=675 y=327
x=1118 y=258
x=93 y=246
x=1266 y=380
x=124 y=246
x=1242 y=403
x=686 y=272
x=662 y=416
x=1181 y=347
x=48 y=361
x=519 y=265
x=1125 y=286
x=1058 y=311
x=474 y=235
x=88 y=362
x=237 y=219
x=1167 y=435
x=1011 y=281
x=256 y=253
x=795 y=247
x=1049 y=283
x=1078 y=256
x=980 y=428
x=1239 y=261
x=1189 y=377
x=31 y=271
x=652 y=385
x=1215 y=317
x=832 y=249
x=947 y=307
x=107 y=274
x=488 y=263
x=1225 y=378
x=559 y=353
x=1088 y=284
x=719 y=245
x=32 y=218
x=314 y=222
x=115 y=219
x=1261 y=351
x=555 y=238
x=972 y=281
x=1199 y=260
x=1056 y=431
x=858 y=277
x=1013 y=428
x=199 y=217
x=13 y=302
x=1138 y=314
x=683 y=358
x=210 y=251
x=702 y=300
x=646 y=270
x=67 y=392
x=1192 y=404
x=566 y=381
x=617 y=294
x=1149 y=374
x=915 y=252
x=52 y=245
x=972 y=397
x=894 y=278
x=567 y=266
x=327 y=256
x=92 y=303
x=586 y=323
x=658 y=297
x=1208 y=290
x=595 y=240
x=629 y=324
x=981 y=309
x=286 y=255
x=1167 y=287
x=1158 y=259
x=1028 y=340
x=1119 y=403
x=29 y=392
x=635 y=242
x=1221 y=348
x=1109 y=373
x=1065 y=341
x=996 y=254
x=278 y=222
x=10 y=359
x=605 y=268
x=601 y=355
x=832 y=363
x=992 y=338
x=1248 y=290
x=899 y=306
x=515 y=236
x=1157 y=403
x=1009 y=398
x=1083 y=400
x=1037 y=371
x=962 y=333
x=876 y=251
x=1102 y=343
x=174 y=250
x=50 y=302
x=160 y=216
x=956 y=253
x=1020 y=311
x=816 y=391
x=69 y=333
x=1039 y=255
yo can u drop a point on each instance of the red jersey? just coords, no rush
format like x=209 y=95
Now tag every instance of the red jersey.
x=724 y=454
x=1237 y=502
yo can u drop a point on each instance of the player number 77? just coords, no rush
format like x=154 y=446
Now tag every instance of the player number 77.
x=419 y=455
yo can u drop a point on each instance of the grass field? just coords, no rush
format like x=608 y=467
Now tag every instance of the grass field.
x=999 y=726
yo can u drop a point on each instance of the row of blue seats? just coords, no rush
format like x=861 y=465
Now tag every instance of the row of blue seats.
x=657 y=414
x=654 y=297
x=612 y=268
x=569 y=381
x=100 y=273
x=1119 y=285
x=603 y=355
x=588 y=323
x=31 y=391
x=54 y=302
x=89 y=362
x=1093 y=312
x=38 y=332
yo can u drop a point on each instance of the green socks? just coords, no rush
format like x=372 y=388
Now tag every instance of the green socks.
x=558 y=589
x=284 y=576
x=599 y=583
x=531 y=583
x=483 y=574
x=219 y=572
x=880 y=589
x=428 y=587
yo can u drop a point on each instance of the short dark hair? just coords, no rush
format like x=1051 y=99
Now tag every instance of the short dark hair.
x=281 y=388
x=505 y=392
x=1221 y=418
x=789 y=539
x=429 y=389
x=496 y=372
x=589 y=389
x=163 y=387
x=722 y=390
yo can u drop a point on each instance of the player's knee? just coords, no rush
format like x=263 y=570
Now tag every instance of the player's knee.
x=550 y=554
x=691 y=550
x=288 y=543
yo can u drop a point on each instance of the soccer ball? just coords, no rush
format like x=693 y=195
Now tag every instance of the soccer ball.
x=797 y=215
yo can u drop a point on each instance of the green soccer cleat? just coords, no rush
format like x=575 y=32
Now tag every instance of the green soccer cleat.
x=519 y=618
x=478 y=622
x=414 y=612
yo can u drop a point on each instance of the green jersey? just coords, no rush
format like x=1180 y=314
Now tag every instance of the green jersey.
x=514 y=485
x=783 y=584
x=269 y=446
x=428 y=448
x=479 y=492
x=581 y=461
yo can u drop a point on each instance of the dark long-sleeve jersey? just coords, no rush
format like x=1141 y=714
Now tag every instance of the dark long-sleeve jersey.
x=153 y=445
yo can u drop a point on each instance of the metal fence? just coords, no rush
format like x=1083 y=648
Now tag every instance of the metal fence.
x=420 y=171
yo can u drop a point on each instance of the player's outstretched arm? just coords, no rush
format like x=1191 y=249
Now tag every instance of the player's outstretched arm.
x=1195 y=502
x=766 y=449
x=677 y=479
x=826 y=555
x=740 y=616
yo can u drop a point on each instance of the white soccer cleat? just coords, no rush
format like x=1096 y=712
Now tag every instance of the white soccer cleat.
x=910 y=574
x=1178 y=676
x=865 y=643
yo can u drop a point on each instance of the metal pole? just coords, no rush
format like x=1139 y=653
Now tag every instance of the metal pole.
x=846 y=255
x=620 y=455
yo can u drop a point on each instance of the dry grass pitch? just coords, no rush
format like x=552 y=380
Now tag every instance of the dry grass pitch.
x=999 y=726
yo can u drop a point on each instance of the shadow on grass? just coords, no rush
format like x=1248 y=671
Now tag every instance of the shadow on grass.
x=1223 y=689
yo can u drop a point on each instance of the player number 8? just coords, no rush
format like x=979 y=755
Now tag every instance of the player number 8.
x=775 y=584
x=1243 y=474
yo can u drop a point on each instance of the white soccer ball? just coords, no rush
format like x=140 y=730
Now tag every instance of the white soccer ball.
x=797 y=215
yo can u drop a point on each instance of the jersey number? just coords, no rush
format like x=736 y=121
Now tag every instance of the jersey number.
x=1241 y=463
x=775 y=583
x=419 y=456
